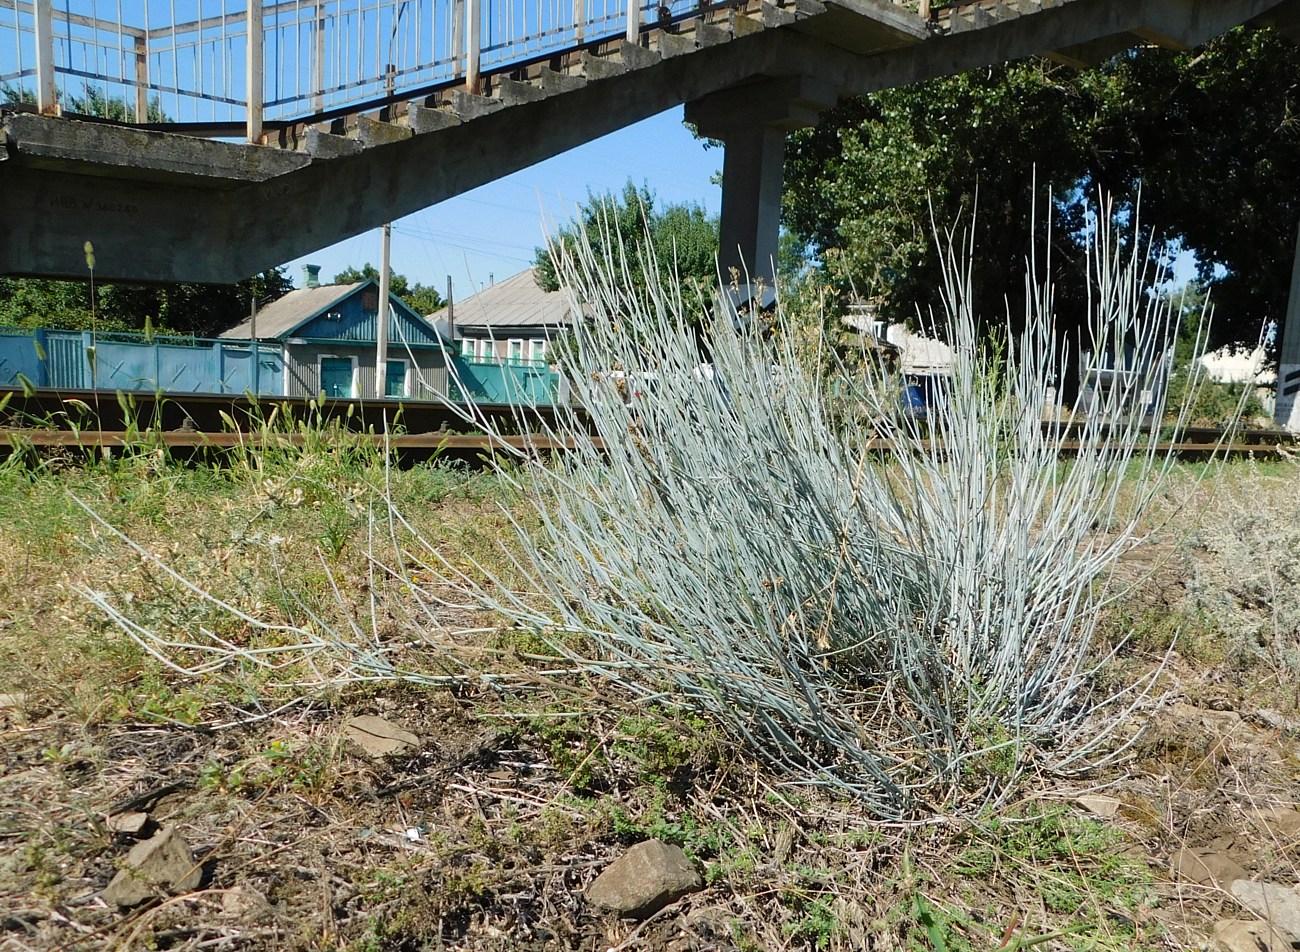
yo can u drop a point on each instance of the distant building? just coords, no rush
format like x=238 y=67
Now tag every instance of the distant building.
x=503 y=337
x=512 y=320
x=1239 y=365
x=328 y=337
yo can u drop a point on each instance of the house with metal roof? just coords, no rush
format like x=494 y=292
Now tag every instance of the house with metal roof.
x=328 y=338
x=512 y=320
x=503 y=338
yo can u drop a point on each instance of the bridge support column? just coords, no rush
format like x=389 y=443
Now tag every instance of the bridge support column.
x=752 y=175
x=1287 y=409
x=752 y=122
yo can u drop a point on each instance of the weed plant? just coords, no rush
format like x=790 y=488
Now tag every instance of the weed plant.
x=1247 y=582
x=279 y=527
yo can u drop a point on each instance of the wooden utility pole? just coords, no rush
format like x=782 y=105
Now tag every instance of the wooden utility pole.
x=381 y=328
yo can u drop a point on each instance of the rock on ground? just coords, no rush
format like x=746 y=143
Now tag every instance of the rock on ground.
x=378 y=737
x=129 y=824
x=1282 y=822
x=1239 y=935
x=644 y=879
x=1278 y=905
x=163 y=862
x=1105 y=807
x=1206 y=867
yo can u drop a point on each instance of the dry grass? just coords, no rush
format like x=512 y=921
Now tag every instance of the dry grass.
x=519 y=796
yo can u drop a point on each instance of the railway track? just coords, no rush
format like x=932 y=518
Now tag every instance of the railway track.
x=48 y=421
x=417 y=446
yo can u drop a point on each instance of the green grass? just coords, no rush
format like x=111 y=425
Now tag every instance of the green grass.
x=271 y=536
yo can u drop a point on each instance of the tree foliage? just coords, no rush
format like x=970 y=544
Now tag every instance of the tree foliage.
x=1209 y=139
x=203 y=310
x=92 y=101
x=683 y=236
x=421 y=298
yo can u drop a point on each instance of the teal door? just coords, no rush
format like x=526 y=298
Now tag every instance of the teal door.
x=395 y=379
x=336 y=376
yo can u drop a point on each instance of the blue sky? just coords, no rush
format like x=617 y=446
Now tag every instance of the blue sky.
x=492 y=231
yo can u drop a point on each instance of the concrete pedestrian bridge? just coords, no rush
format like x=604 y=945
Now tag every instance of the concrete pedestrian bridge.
x=363 y=111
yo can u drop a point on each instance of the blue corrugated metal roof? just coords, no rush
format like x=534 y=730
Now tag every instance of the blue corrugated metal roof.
x=306 y=313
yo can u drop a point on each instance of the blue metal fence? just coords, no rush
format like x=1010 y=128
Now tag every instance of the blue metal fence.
x=80 y=360
x=526 y=383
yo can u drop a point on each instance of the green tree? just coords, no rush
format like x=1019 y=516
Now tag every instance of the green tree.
x=203 y=310
x=684 y=237
x=421 y=298
x=1210 y=137
x=91 y=102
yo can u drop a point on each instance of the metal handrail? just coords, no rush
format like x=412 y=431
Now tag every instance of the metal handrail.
x=219 y=62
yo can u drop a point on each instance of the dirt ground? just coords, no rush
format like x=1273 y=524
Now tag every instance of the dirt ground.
x=487 y=830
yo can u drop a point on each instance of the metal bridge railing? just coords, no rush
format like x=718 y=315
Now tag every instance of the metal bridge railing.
x=251 y=62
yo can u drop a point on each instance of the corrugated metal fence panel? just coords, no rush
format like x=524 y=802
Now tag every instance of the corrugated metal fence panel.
x=64 y=360
x=430 y=379
x=364 y=380
x=525 y=384
x=304 y=370
x=67 y=360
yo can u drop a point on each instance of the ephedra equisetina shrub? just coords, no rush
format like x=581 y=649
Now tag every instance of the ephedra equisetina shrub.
x=917 y=629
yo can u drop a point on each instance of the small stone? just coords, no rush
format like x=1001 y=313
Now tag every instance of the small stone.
x=1206 y=867
x=1279 y=822
x=129 y=824
x=1278 y=905
x=643 y=880
x=241 y=902
x=162 y=863
x=1273 y=720
x=1240 y=935
x=9 y=702
x=1105 y=807
x=378 y=737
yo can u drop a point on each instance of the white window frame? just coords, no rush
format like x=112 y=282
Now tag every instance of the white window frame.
x=537 y=349
x=469 y=347
x=510 y=350
x=406 y=378
x=320 y=373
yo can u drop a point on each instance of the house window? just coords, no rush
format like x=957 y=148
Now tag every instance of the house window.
x=537 y=349
x=516 y=350
x=338 y=376
x=395 y=379
x=469 y=348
